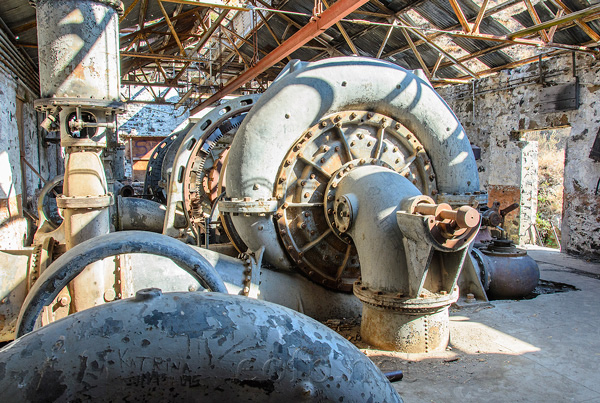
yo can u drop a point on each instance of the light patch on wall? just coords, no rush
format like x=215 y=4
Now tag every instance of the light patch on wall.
x=460 y=158
x=74 y=17
x=6 y=177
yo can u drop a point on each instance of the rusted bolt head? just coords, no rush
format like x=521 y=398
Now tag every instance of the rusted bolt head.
x=352 y=115
x=408 y=136
x=306 y=195
x=370 y=115
x=323 y=124
x=192 y=288
x=322 y=160
x=148 y=293
x=285 y=205
x=337 y=118
x=64 y=300
x=110 y=295
x=352 y=143
x=330 y=197
x=398 y=126
x=306 y=214
x=313 y=176
x=361 y=136
x=302 y=183
x=330 y=211
x=334 y=185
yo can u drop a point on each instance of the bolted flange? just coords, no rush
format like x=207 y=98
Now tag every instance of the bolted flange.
x=308 y=177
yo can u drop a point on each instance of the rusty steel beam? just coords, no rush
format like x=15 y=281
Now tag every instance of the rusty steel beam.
x=344 y=33
x=480 y=15
x=153 y=84
x=314 y=28
x=586 y=28
x=126 y=13
x=536 y=19
x=462 y=19
x=208 y=4
x=415 y=51
x=155 y=56
x=592 y=10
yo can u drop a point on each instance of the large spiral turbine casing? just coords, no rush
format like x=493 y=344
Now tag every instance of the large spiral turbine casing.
x=304 y=94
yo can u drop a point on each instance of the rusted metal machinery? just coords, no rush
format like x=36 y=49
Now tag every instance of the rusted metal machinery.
x=241 y=348
x=323 y=185
x=347 y=188
x=80 y=95
x=506 y=271
x=187 y=347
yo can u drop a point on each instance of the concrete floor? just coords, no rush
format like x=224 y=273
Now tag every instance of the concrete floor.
x=539 y=350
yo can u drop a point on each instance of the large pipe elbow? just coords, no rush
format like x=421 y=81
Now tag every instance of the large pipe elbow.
x=195 y=346
x=139 y=214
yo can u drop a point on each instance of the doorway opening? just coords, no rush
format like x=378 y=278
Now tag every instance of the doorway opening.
x=552 y=143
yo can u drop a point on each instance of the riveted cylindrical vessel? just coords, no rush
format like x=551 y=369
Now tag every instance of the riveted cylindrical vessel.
x=189 y=347
x=78 y=45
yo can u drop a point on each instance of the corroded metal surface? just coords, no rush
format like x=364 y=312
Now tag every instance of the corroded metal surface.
x=194 y=347
x=308 y=178
x=78 y=49
x=506 y=271
x=188 y=165
x=278 y=122
x=74 y=261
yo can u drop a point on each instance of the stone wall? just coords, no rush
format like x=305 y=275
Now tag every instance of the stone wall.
x=148 y=119
x=494 y=109
x=19 y=128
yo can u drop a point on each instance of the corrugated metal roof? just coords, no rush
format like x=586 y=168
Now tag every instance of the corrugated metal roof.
x=19 y=16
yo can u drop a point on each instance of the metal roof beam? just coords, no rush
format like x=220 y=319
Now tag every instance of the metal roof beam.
x=314 y=28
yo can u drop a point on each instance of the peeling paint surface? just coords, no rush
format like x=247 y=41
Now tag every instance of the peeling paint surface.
x=46 y=160
x=189 y=347
x=511 y=102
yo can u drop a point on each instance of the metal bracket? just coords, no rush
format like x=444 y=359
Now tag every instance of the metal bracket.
x=85 y=202
x=237 y=206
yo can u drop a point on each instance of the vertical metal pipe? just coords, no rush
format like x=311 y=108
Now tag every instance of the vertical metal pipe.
x=80 y=77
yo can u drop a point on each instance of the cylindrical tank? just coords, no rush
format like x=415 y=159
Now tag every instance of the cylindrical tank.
x=78 y=45
x=189 y=347
x=506 y=271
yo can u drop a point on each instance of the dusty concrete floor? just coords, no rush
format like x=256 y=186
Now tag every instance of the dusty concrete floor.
x=539 y=350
